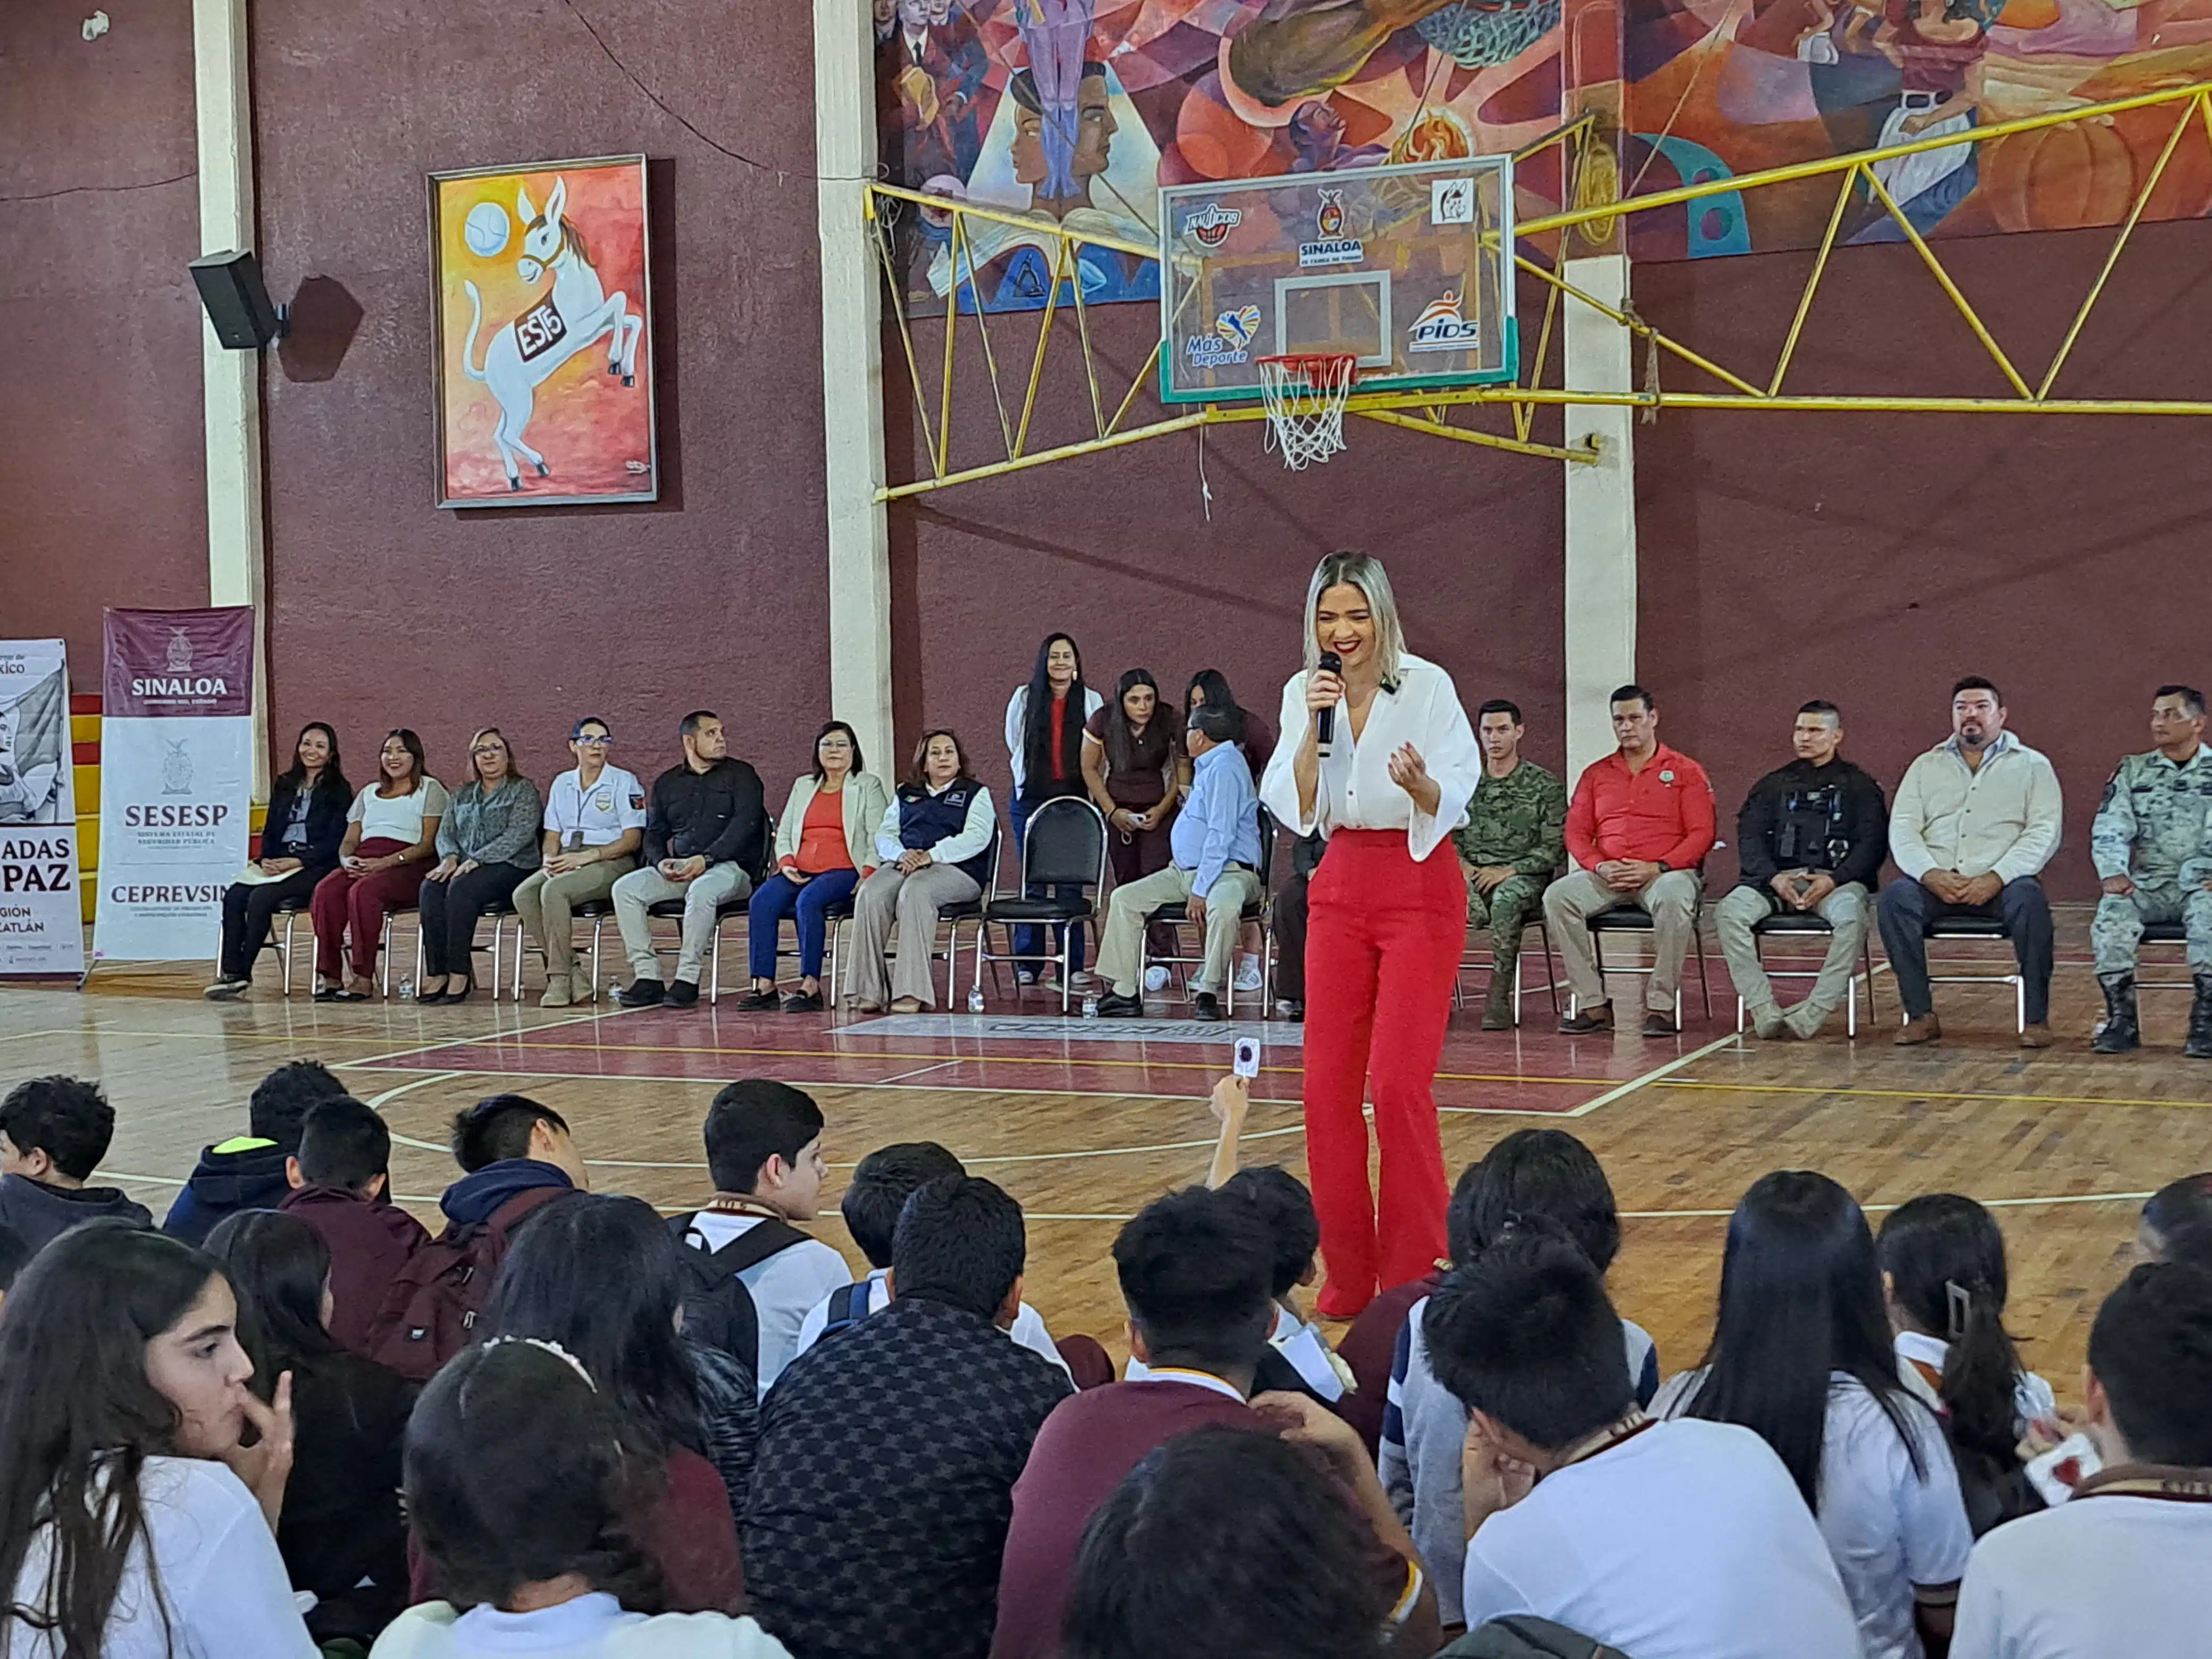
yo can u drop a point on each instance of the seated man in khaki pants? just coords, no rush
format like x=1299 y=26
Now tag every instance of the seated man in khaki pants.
x=1215 y=844
x=1640 y=824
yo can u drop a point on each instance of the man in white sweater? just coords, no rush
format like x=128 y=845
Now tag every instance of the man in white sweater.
x=1975 y=820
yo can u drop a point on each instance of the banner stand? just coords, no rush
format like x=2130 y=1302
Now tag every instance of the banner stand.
x=41 y=911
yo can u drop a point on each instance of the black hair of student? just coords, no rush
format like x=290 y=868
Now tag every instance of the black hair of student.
x=332 y=785
x=1214 y=725
x=15 y=1256
x=1286 y=1207
x=281 y=1101
x=961 y=1241
x=1946 y=1262
x=1121 y=747
x=67 y=1118
x=277 y=1266
x=2192 y=700
x=880 y=1187
x=2178 y=1218
x=2151 y=1350
x=345 y=1144
x=1215 y=684
x=1197 y=1270
x=78 y=1418
x=1223 y=1541
x=1037 y=716
x=418 y=764
x=859 y=764
x=752 y=1120
x=690 y=725
x=1976 y=682
x=498 y=1128
x=1536 y=1172
x=1500 y=706
x=1801 y=1298
x=1525 y=1333
x=1633 y=693
x=518 y=1471
x=1821 y=706
x=600 y=1275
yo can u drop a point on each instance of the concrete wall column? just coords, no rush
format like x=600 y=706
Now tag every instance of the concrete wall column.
x=1600 y=518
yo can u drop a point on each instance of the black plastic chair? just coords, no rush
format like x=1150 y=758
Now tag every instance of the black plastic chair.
x=595 y=911
x=1977 y=927
x=1065 y=846
x=1802 y=921
x=2165 y=933
x=1635 y=918
x=291 y=909
x=1176 y=917
x=765 y=860
x=1534 y=923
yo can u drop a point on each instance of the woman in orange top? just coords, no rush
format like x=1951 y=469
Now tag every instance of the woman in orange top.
x=825 y=843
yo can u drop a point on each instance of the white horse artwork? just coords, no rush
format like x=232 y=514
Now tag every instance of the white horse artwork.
x=576 y=313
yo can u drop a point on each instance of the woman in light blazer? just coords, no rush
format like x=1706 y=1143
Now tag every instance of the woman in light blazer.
x=825 y=845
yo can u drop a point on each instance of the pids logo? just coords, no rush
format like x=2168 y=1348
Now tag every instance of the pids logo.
x=1209 y=227
x=1440 y=327
x=1232 y=333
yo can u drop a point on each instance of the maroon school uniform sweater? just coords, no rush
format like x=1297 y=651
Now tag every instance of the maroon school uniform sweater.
x=370 y=1240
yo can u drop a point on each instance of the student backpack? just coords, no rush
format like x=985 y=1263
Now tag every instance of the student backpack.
x=848 y=1304
x=431 y=1312
x=718 y=1309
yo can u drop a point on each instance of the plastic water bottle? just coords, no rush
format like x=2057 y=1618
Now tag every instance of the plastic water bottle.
x=974 y=998
x=407 y=989
x=1091 y=1004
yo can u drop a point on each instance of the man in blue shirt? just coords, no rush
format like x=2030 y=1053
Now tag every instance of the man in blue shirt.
x=1215 y=843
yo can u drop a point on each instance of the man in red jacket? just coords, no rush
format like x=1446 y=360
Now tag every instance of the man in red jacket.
x=1639 y=826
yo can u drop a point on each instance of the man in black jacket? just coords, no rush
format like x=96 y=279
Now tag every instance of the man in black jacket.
x=1810 y=839
x=705 y=842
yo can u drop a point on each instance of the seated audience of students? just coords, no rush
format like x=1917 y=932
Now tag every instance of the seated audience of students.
x=340 y=1530
x=600 y=1279
x=341 y=1187
x=487 y=843
x=1286 y=1208
x=878 y=1513
x=825 y=848
x=934 y=852
x=135 y=1521
x=15 y=1256
x=252 y=1171
x=527 y=1484
x=299 y=838
x=54 y=1133
x=764 y=1156
x=390 y=838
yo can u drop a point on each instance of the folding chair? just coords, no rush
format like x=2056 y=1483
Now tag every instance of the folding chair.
x=1176 y=917
x=595 y=911
x=1797 y=921
x=1469 y=960
x=1977 y=927
x=291 y=909
x=2165 y=933
x=1635 y=918
x=1064 y=847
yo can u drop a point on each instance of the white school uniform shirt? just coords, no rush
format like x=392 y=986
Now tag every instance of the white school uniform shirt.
x=222 y=1580
x=2001 y=818
x=1686 y=1541
x=2032 y=1397
x=1887 y=1528
x=398 y=818
x=2108 y=1576
x=1028 y=1328
x=1017 y=709
x=783 y=1287
x=612 y=806
x=592 y=1626
x=1354 y=790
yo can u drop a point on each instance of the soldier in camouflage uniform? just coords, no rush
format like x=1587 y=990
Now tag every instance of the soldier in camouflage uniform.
x=1514 y=839
x=2152 y=852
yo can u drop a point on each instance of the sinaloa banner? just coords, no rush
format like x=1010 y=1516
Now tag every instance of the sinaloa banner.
x=41 y=925
x=176 y=764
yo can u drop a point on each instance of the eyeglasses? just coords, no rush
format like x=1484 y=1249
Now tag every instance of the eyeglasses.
x=487 y=748
x=591 y=742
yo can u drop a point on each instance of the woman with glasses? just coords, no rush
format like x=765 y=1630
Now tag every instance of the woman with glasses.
x=487 y=844
x=391 y=831
x=594 y=821
x=825 y=847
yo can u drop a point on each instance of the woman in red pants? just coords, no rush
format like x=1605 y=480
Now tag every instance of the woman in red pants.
x=1386 y=919
x=391 y=833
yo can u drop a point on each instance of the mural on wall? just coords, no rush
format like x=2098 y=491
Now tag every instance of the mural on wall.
x=540 y=284
x=1081 y=109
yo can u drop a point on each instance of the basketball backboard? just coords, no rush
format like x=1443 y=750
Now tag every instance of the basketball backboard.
x=1387 y=263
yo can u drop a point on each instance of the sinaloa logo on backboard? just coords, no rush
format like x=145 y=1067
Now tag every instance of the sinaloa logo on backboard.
x=1232 y=333
x=1209 y=226
x=1333 y=247
x=1441 y=328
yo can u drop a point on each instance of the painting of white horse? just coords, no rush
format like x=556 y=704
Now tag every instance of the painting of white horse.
x=544 y=352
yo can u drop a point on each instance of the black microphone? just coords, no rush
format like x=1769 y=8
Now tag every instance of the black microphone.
x=1325 y=733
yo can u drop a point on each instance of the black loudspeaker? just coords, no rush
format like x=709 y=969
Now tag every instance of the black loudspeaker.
x=237 y=301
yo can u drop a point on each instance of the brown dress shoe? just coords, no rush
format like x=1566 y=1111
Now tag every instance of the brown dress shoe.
x=1926 y=1028
x=2035 y=1036
x=1598 y=1018
x=1660 y=1025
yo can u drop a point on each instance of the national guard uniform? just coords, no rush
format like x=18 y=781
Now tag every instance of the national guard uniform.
x=2151 y=827
x=1520 y=819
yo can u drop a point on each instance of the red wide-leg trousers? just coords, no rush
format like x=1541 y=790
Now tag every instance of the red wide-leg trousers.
x=344 y=904
x=1384 y=941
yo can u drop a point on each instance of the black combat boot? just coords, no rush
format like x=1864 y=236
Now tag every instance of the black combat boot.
x=2120 y=1030
x=2199 y=1046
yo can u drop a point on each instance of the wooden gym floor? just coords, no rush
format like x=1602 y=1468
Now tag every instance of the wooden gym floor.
x=1085 y=1128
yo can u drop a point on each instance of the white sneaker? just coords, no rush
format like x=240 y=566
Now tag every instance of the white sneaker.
x=1079 y=982
x=1155 y=979
x=1248 y=973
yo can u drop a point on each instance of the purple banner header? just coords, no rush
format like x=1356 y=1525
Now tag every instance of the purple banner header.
x=164 y=664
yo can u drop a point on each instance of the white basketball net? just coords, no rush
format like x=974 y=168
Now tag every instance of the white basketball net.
x=1305 y=398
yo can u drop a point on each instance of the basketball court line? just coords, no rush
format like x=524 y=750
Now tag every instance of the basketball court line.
x=1622 y=1091
x=1926 y=1094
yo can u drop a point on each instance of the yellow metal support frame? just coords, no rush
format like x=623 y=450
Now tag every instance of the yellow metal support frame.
x=1429 y=411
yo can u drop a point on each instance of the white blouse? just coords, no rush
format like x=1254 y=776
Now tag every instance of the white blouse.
x=398 y=818
x=1354 y=790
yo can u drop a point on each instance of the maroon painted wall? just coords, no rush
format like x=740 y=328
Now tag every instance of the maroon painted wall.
x=386 y=611
x=101 y=451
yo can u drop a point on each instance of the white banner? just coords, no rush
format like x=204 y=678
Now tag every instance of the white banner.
x=41 y=920
x=176 y=759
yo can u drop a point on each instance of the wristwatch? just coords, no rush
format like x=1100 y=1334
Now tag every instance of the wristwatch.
x=1663 y=865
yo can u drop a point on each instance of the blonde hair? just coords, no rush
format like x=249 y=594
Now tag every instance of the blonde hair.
x=1365 y=572
x=476 y=772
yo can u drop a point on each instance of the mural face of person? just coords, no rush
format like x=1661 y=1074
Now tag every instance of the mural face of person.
x=913 y=16
x=1094 y=136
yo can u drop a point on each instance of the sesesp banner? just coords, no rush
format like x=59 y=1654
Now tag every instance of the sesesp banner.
x=41 y=923
x=176 y=764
